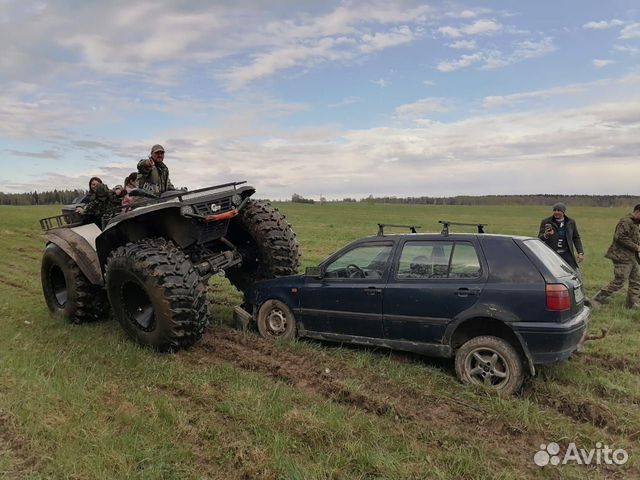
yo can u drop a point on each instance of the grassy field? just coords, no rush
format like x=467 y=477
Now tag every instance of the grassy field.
x=83 y=402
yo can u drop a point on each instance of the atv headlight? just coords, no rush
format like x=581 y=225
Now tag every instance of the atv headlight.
x=187 y=210
x=236 y=199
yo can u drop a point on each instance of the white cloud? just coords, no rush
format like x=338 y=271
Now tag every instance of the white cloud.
x=523 y=50
x=627 y=49
x=600 y=63
x=463 y=45
x=497 y=101
x=603 y=24
x=479 y=27
x=422 y=107
x=630 y=31
x=462 y=62
x=381 y=82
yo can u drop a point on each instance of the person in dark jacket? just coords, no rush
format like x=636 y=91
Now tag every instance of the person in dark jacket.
x=623 y=252
x=102 y=201
x=153 y=174
x=561 y=234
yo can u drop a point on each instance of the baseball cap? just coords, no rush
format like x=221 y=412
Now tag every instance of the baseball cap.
x=157 y=148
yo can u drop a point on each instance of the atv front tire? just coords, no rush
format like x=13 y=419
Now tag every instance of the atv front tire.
x=266 y=242
x=67 y=291
x=156 y=294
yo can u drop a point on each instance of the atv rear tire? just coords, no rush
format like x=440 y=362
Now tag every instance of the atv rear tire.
x=156 y=294
x=67 y=291
x=266 y=242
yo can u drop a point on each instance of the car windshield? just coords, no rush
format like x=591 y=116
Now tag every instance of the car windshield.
x=554 y=262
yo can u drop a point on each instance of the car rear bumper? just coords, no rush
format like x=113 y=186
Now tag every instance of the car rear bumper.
x=549 y=342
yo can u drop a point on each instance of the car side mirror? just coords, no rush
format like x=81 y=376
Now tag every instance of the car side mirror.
x=314 y=272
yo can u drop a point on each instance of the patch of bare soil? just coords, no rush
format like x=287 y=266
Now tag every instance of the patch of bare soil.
x=328 y=377
x=13 y=447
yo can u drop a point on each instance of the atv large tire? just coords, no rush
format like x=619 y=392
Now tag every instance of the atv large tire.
x=67 y=291
x=156 y=294
x=266 y=242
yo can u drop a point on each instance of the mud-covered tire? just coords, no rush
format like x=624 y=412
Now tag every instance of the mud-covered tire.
x=67 y=290
x=156 y=294
x=492 y=362
x=276 y=321
x=266 y=242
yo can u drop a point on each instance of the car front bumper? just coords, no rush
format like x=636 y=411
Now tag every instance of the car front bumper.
x=549 y=342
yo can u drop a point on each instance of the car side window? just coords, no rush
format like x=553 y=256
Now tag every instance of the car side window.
x=366 y=261
x=420 y=260
x=465 y=262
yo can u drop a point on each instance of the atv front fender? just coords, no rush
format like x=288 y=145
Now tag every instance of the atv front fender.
x=79 y=244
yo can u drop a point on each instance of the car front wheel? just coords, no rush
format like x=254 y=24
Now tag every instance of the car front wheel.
x=492 y=362
x=276 y=321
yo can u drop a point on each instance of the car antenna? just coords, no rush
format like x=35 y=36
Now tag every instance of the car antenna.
x=446 y=223
x=381 y=226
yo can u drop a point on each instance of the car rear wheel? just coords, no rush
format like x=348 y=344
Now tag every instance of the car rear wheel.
x=492 y=362
x=276 y=321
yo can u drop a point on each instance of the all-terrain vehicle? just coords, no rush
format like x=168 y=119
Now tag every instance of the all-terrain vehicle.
x=151 y=264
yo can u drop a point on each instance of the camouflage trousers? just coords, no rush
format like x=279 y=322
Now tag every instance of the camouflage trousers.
x=621 y=273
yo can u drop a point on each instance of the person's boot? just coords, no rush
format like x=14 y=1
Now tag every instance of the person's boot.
x=599 y=299
x=632 y=304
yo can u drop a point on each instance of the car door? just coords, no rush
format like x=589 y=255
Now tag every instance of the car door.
x=431 y=283
x=347 y=300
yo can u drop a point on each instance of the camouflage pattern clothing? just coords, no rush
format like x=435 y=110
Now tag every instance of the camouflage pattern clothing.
x=102 y=201
x=154 y=179
x=623 y=252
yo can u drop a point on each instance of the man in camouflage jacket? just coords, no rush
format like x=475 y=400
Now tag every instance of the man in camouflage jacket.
x=153 y=174
x=623 y=252
x=103 y=201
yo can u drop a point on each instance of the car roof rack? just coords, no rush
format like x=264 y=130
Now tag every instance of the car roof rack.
x=381 y=227
x=446 y=223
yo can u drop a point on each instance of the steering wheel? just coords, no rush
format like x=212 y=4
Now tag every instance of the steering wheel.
x=354 y=271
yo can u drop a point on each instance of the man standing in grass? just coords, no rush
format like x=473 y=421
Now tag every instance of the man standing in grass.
x=623 y=252
x=561 y=234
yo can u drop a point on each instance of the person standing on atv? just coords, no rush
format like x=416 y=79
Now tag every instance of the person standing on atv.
x=153 y=174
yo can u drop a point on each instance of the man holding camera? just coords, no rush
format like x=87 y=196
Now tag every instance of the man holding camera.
x=561 y=234
x=153 y=174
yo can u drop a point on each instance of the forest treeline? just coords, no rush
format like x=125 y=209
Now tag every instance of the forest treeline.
x=40 y=198
x=66 y=196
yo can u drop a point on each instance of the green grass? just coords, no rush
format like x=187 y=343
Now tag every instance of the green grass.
x=83 y=402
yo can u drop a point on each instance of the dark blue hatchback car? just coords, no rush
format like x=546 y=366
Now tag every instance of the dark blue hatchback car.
x=498 y=304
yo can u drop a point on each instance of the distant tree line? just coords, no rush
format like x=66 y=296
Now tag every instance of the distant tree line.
x=535 y=199
x=40 y=198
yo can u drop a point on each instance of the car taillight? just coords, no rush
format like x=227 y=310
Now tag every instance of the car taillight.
x=558 y=298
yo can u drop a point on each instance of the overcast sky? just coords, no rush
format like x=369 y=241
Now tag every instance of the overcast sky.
x=324 y=98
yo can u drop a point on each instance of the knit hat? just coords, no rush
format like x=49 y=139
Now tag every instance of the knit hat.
x=560 y=206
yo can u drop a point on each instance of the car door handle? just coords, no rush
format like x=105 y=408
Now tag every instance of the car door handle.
x=465 y=292
x=372 y=290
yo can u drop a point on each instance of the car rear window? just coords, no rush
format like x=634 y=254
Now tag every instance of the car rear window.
x=554 y=262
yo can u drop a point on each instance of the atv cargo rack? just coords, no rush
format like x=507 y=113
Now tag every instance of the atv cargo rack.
x=64 y=220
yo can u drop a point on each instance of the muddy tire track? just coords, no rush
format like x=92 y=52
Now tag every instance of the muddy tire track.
x=610 y=362
x=328 y=377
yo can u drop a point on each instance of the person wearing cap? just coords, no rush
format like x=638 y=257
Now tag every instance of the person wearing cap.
x=560 y=233
x=623 y=252
x=153 y=174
